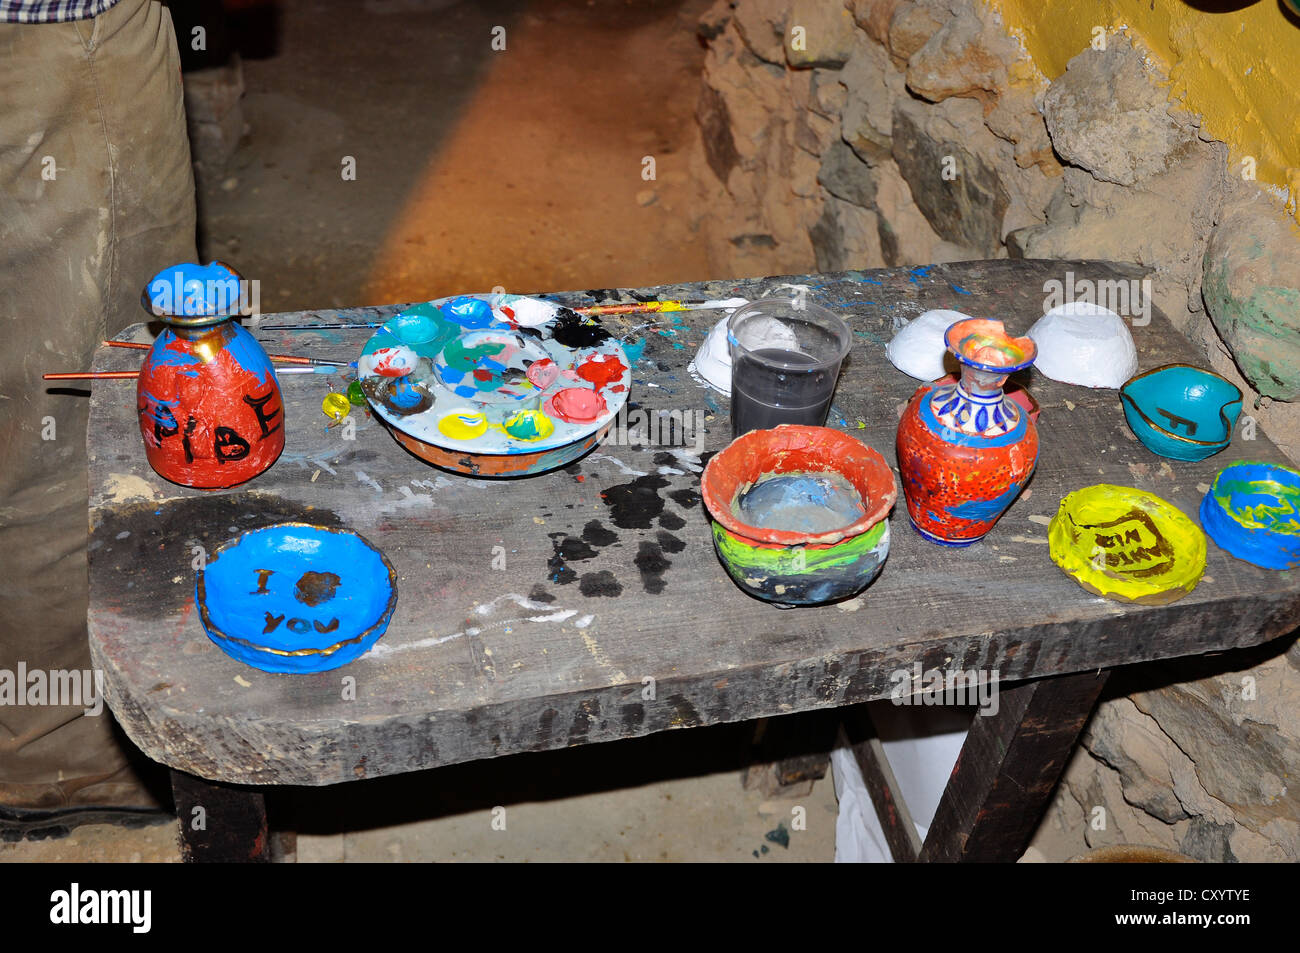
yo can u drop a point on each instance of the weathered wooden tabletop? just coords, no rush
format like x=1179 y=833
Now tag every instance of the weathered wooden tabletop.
x=609 y=577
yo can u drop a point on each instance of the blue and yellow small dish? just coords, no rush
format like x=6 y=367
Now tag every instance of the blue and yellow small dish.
x=1181 y=411
x=1253 y=511
x=295 y=597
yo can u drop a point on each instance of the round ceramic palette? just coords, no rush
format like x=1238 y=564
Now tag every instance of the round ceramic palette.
x=494 y=374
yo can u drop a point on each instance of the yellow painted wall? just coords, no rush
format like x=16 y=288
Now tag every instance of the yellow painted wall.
x=1237 y=69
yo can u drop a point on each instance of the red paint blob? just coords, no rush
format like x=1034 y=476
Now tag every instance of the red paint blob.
x=543 y=373
x=602 y=370
x=575 y=405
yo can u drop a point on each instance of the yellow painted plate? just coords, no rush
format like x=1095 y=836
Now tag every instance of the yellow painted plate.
x=1127 y=545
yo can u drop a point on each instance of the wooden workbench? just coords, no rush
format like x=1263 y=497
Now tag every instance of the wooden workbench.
x=612 y=617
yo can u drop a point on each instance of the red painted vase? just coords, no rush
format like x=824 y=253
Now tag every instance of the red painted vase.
x=210 y=409
x=966 y=449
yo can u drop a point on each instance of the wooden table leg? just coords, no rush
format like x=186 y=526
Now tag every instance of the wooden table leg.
x=891 y=810
x=220 y=823
x=1008 y=768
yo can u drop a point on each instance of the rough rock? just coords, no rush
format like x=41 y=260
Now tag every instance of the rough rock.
x=829 y=94
x=1015 y=118
x=873 y=16
x=967 y=56
x=1107 y=115
x=967 y=209
x=1251 y=286
x=827 y=38
x=1165 y=224
x=715 y=132
x=761 y=24
x=1148 y=762
x=845 y=237
x=846 y=176
x=1246 y=749
x=867 y=116
x=906 y=238
x=913 y=25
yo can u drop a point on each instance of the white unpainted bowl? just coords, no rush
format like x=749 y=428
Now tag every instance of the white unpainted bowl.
x=1086 y=344
x=712 y=363
x=918 y=349
x=713 y=360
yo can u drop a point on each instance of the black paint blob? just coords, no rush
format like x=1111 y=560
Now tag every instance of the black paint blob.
x=573 y=330
x=634 y=505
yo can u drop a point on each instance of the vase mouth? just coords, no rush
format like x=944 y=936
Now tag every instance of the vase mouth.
x=190 y=295
x=986 y=346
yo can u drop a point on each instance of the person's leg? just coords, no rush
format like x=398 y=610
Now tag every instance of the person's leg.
x=96 y=195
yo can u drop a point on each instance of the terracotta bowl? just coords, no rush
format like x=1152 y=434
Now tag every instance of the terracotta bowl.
x=785 y=567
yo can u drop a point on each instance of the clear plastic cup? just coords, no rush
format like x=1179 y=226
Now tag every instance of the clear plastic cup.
x=785 y=359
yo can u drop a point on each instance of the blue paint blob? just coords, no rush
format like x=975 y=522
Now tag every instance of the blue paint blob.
x=404 y=393
x=633 y=351
x=296 y=588
x=811 y=503
x=248 y=354
x=959 y=289
x=980 y=510
x=468 y=312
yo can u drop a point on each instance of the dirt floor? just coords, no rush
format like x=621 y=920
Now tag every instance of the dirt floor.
x=477 y=168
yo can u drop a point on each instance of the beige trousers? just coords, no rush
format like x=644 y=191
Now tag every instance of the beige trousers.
x=96 y=196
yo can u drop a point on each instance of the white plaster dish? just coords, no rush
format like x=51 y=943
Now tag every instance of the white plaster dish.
x=1086 y=344
x=919 y=348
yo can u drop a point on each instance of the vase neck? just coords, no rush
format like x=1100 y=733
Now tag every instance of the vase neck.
x=975 y=405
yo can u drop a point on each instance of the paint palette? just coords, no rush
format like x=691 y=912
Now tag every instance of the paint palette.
x=1127 y=545
x=496 y=384
x=295 y=597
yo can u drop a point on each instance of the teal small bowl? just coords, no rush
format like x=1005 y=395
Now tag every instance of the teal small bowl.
x=1181 y=411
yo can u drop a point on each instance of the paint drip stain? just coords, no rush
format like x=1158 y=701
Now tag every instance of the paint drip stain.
x=597 y=584
x=652 y=564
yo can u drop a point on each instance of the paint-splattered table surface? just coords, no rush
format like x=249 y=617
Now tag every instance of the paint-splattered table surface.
x=587 y=604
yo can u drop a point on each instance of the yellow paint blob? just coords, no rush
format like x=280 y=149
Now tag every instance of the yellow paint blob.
x=463 y=425
x=530 y=425
x=336 y=406
x=1127 y=545
x=1235 y=68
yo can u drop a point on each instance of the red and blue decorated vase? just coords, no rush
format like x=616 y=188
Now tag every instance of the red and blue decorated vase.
x=965 y=449
x=209 y=405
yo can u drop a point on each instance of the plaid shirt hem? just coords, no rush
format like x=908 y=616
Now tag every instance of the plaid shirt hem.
x=51 y=11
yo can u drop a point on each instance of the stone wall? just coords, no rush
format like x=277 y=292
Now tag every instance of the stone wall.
x=900 y=132
x=875 y=133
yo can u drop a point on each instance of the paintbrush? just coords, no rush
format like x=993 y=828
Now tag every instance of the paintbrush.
x=127 y=375
x=631 y=307
x=282 y=358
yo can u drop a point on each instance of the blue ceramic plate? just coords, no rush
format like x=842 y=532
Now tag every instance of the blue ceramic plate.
x=295 y=597
x=1181 y=411
x=1253 y=511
